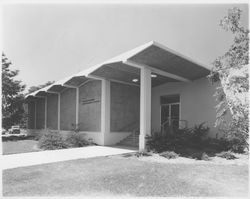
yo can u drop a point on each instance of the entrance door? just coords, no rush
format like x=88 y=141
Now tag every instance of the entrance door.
x=170 y=111
x=165 y=113
x=175 y=115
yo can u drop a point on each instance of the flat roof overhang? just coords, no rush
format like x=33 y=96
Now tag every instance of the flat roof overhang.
x=158 y=57
x=124 y=73
x=166 y=66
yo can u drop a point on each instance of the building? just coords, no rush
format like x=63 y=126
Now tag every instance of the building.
x=143 y=89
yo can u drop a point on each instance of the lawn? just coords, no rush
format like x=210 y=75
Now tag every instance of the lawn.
x=19 y=146
x=122 y=176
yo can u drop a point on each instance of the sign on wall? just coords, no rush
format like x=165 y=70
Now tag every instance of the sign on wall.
x=89 y=100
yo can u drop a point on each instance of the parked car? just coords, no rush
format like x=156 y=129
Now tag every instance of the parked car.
x=14 y=130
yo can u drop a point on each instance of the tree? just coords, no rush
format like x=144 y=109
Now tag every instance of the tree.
x=12 y=95
x=231 y=70
x=35 y=88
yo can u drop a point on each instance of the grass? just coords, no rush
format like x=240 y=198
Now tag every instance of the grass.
x=19 y=146
x=119 y=176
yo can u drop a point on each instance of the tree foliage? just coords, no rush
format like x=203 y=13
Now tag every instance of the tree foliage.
x=231 y=70
x=12 y=95
x=35 y=88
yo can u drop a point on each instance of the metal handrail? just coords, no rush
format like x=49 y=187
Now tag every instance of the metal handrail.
x=165 y=123
x=171 y=123
x=133 y=125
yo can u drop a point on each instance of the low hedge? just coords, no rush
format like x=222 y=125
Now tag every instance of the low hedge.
x=226 y=154
x=169 y=154
x=193 y=138
x=52 y=140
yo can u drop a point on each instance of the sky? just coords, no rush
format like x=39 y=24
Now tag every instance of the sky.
x=49 y=42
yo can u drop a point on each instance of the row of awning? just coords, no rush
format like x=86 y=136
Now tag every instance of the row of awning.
x=166 y=66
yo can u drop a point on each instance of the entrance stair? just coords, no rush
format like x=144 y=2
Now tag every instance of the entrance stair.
x=131 y=140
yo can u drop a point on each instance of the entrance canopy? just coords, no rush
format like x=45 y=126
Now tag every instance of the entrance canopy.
x=165 y=65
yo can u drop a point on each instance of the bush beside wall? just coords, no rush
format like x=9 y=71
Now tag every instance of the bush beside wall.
x=191 y=142
x=51 y=140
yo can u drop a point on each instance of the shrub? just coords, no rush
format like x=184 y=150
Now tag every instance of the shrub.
x=140 y=154
x=91 y=142
x=74 y=139
x=195 y=135
x=169 y=154
x=236 y=143
x=217 y=144
x=205 y=157
x=155 y=142
x=196 y=155
x=226 y=154
x=51 y=140
x=160 y=142
x=199 y=156
x=230 y=141
x=192 y=137
x=38 y=136
x=75 y=127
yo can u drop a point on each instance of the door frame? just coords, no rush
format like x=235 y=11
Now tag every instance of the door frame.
x=171 y=104
x=169 y=109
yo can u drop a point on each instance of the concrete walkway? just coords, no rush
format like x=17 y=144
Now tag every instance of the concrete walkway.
x=42 y=157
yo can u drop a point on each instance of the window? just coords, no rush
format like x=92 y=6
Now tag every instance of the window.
x=168 y=99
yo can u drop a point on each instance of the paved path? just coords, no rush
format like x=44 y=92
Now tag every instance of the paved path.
x=42 y=157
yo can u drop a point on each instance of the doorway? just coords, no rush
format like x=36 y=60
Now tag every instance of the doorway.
x=170 y=111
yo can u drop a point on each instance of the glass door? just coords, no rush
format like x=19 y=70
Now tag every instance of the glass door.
x=170 y=111
x=164 y=113
x=175 y=115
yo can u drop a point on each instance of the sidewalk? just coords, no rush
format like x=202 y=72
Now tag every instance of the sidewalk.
x=42 y=157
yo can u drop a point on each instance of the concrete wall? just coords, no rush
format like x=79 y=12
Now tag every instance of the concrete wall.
x=68 y=109
x=52 y=111
x=90 y=106
x=125 y=107
x=40 y=113
x=197 y=103
x=31 y=115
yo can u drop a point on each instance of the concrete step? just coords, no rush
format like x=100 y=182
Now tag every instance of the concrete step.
x=129 y=144
x=131 y=140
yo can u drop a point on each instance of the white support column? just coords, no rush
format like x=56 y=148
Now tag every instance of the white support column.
x=35 y=115
x=45 y=113
x=58 y=111
x=77 y=106
x=145 y=107
x=105 y=110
